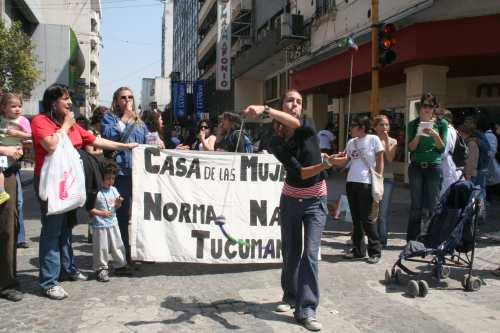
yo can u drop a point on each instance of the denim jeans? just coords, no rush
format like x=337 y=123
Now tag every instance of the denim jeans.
x=55 y=249
x=21 y=235
x=124 y=186
x=360 y=200
x=299 y=275
x=425 y=185
x=383 y=215
x=480 y=180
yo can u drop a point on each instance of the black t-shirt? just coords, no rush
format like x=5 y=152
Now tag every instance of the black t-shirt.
x=301 y=150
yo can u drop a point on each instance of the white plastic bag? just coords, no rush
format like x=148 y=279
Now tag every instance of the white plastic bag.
x=343 y=212
x=62 y=181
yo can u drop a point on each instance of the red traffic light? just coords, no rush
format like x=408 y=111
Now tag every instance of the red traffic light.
x=389 y=29
x=387 y=43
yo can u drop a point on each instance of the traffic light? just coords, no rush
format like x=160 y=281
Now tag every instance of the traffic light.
x=386 y=43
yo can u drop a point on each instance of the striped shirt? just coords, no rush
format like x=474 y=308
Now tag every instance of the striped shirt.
x=315 y=191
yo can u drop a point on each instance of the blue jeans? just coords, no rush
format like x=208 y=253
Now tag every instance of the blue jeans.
x=21 y=235
x=425 y=185
x=299 y=275
x=124 y=186
x=480 y=180
x=55 y=250
x=383 y=215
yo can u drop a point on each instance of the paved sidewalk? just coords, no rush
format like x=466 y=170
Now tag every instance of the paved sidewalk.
x=202 y=298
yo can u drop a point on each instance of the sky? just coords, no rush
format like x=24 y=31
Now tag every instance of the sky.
x=131 y=38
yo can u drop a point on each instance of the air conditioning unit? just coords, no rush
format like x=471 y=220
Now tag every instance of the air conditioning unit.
x=292 y=26
x=246 y=5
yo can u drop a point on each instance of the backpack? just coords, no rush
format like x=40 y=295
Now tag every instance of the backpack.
x=484 y=148
x=460 y=152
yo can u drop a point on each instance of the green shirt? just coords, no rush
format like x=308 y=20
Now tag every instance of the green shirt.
x=426 y=151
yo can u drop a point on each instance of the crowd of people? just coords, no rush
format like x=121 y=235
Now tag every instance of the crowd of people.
x=441 y=152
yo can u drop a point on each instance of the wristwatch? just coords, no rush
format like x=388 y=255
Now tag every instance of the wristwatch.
x=266 y=111
x=325 y=161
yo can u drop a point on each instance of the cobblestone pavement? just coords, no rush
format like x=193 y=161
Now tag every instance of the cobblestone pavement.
x=202 y=298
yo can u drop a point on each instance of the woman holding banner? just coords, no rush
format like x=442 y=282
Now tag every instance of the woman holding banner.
x=122 y=124
x=302 y=205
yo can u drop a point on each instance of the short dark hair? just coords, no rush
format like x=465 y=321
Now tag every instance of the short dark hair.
x=231 y=116
x=98 y=114
x=83 y=122
x=203 y=121
x=362 y=121
x=428 y=98
x=152 y=120
x=109 y=167
x=51 y=95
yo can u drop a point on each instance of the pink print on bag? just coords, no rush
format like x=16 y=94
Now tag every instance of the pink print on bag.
x=64 y=186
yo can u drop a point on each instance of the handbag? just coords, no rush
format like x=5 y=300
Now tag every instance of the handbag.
x=377 y=179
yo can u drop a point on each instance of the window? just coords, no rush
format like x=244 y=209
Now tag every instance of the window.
x=324 y=6
x=271 y=89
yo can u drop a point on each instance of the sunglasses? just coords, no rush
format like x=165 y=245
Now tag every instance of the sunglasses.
x=127 y=97
x=353 y=126
x=429 y=106
x=203 y=127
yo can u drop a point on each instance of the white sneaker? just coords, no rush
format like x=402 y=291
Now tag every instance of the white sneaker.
x=283 y=307
x=56 y=292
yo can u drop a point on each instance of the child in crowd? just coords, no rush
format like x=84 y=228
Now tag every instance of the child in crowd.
x=106 y=234
x=14 y=129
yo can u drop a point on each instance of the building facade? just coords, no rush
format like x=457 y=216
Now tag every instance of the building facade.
x=266 y=34
x=155 y=93
x=185 y=40
x=461 y=69
x=167 y=39
x=67 y=43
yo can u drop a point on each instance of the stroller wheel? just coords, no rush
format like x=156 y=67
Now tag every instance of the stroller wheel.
x=471 y=283
x=441 y=272
x=465 y=281
x=413 y=289
x=388 y=277
x=398 y=276
x=423 y=288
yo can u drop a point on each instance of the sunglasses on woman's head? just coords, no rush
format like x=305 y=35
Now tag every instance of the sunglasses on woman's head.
x=127 y=97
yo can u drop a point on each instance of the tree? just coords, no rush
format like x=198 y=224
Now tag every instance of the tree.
x=18 y=72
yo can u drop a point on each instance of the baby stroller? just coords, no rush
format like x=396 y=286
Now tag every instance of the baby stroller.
x=450 y=236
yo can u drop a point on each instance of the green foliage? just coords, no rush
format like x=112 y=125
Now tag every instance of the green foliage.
x=18 y=72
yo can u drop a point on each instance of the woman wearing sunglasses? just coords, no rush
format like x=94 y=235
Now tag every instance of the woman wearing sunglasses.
x=426 y=142
x=206 y=140
x=122 y=124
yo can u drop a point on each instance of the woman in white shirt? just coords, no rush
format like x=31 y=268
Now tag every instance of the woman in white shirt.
x=358 y=187
x=450 y=172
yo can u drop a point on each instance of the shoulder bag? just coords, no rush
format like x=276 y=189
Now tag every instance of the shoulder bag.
x=376 y=178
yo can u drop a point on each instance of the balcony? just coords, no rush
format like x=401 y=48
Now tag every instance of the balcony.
x=241 y=18
x=205 y=9
x=207 y=43
x=267 y=54
x=240 y=6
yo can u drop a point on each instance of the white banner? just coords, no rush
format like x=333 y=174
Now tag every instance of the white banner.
x=223 y=56
x=178 y=195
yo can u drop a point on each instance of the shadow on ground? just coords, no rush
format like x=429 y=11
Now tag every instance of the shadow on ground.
x=215 y=311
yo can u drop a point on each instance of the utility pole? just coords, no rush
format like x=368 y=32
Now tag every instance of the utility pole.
x=375 y=96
